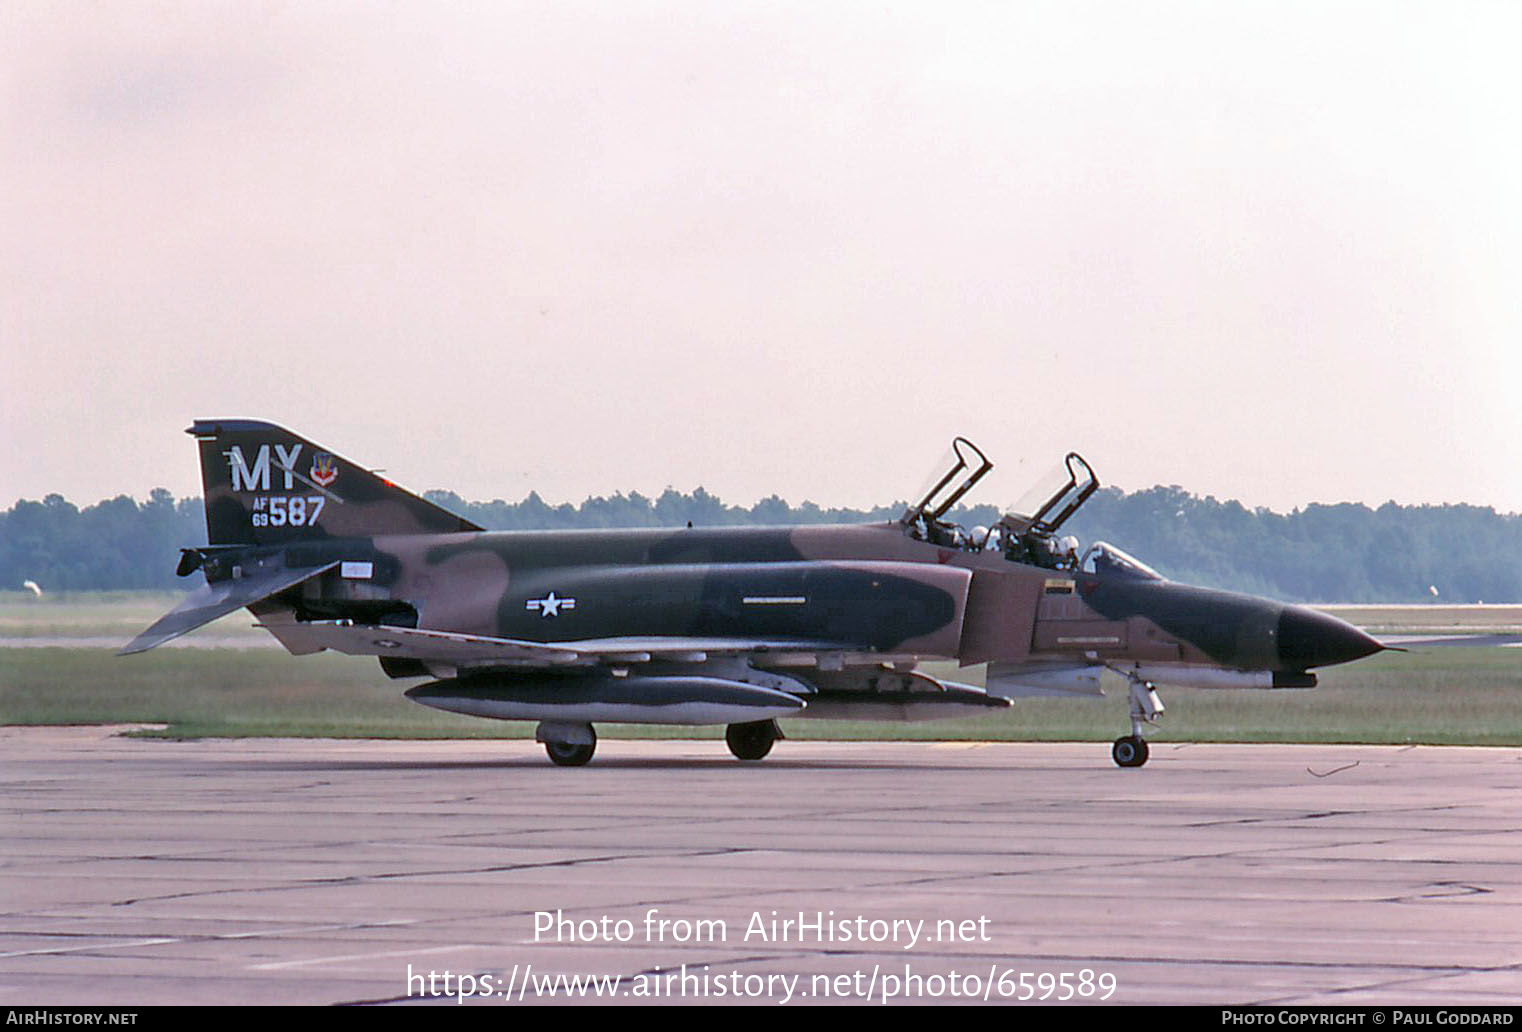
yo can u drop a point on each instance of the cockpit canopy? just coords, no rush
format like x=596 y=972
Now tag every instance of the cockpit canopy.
x=1027 y=532
x=1053 y=498
x=967 y=465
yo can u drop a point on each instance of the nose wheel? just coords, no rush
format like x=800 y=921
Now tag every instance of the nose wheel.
x=1130 y=751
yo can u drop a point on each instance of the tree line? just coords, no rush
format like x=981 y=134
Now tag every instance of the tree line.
x=1322 y=553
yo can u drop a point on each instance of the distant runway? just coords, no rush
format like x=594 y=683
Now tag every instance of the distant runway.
x=279 y=871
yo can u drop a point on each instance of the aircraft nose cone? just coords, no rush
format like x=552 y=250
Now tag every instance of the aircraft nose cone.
x=1308 y=638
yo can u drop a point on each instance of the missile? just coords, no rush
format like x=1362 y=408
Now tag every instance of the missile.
x=676 y=699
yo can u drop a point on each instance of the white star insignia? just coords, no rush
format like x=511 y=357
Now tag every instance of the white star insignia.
x=550 y=605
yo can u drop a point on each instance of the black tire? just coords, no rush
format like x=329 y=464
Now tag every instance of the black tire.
x=1129 y=751
x=751 y=741
x=569 y=754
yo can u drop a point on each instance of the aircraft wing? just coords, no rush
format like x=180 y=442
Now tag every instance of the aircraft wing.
x=212 y=601
x=475 y=650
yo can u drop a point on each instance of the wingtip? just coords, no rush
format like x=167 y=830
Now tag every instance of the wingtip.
x=139 y=644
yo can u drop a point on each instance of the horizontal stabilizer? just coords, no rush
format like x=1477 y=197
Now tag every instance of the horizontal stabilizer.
x=215 y=600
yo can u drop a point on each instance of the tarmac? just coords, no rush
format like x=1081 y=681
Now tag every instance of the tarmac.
x=262 y=871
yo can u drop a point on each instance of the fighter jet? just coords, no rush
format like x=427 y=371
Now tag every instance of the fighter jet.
x=735 y=626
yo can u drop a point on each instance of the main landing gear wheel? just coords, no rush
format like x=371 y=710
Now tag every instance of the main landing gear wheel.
x=570 y=754
x=752 y=741
x=1130 y=751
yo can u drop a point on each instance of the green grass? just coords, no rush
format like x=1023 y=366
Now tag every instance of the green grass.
x=100 y=614
x=1469 y=696
x=1433 y=620
x=1445 y=696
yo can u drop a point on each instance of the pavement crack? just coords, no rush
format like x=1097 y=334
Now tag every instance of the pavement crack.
x=361 y=879
x=1445 y=890
x=1323 y=815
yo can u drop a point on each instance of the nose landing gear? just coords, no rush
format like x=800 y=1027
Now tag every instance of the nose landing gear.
x=1131 y=750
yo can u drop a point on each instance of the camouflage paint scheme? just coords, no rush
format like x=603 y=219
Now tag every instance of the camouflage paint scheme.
x=697 y=625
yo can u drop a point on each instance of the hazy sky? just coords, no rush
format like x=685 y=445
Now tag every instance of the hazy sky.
x=1264 y=251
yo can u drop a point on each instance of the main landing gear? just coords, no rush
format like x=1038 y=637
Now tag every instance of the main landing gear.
x=569 y=745
x=1146 y=707
x=752 y=741
x=572 y=745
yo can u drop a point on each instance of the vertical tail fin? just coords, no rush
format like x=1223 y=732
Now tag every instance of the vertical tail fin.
x=266 y=485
